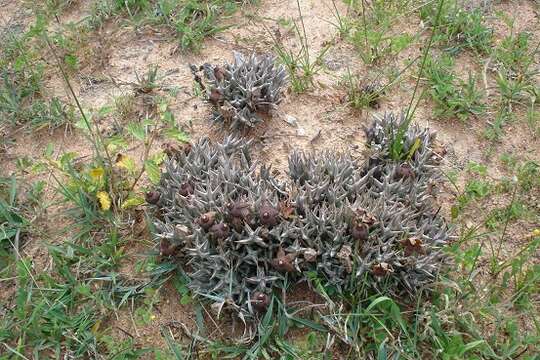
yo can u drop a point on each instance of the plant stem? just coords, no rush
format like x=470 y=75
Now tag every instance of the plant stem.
x=398 y=140
x=507 y=220
x=365 y=27
x=424 y=59
x=145 y=157
x=304 y=30
x=66 y=79
x=96 y=137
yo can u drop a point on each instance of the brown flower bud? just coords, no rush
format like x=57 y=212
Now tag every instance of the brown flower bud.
x=382 y=269
x=344 y=255
x=206 y=220
x=286 y=210
x=220 y=231
x=269 y=215
x=284 y=262
x=186 y=189
x=216 y=97
x=219 y=73
x=240 y=210
x=368 y=219
x=152 y=197
x=404 y=171
x=187 y=148
x=166 y=248
x=359 y=231
x=260 y=301
x=237 y=224
x=173 y=149
x=227 y=111
x=412 y=245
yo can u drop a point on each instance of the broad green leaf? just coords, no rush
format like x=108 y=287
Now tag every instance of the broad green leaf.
x=71 y=60
x=125 y=162
x=176 y=134
x=115 y=143
x=136 y=130
x=158 y=157
x=152 y=170
x=66 y=158
x=80 y=124
x=132 y=201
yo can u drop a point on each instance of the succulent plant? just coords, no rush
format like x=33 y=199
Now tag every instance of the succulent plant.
x=238 y=231
x=243 y=90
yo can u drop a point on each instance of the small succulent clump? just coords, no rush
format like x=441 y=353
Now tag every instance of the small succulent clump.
x=244 y=89
x=238 y=231
x=370 y=91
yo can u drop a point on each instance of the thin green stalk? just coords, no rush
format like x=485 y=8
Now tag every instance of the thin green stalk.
x=148 y=146
x=96 y=136
x=397 y=142
x=66 y=79
x=424 y=60
x=304 y=30
x=365 y=26
x=503 y=234
x=339 y=19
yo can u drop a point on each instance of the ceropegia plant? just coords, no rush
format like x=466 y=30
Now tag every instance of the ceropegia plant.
x=238 y=231
x=242 y=91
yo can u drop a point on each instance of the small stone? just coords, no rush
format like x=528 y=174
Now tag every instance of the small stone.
x=291 y=120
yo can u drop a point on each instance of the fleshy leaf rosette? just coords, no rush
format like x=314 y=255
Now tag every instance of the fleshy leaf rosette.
x=243 y=90
x=239 y=231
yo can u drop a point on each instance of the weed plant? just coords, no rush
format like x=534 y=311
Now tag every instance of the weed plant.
x=460 y=27
x=453 y=97
x=301 y=66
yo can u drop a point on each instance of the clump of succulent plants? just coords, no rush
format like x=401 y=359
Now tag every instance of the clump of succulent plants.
x=243 y=90
x=239 y=232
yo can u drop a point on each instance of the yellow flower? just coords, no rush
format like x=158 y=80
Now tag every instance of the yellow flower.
x=536 y=232
x=96 y=173
x=104 y=200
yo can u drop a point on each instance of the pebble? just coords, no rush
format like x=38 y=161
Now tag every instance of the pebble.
x=291 y=120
